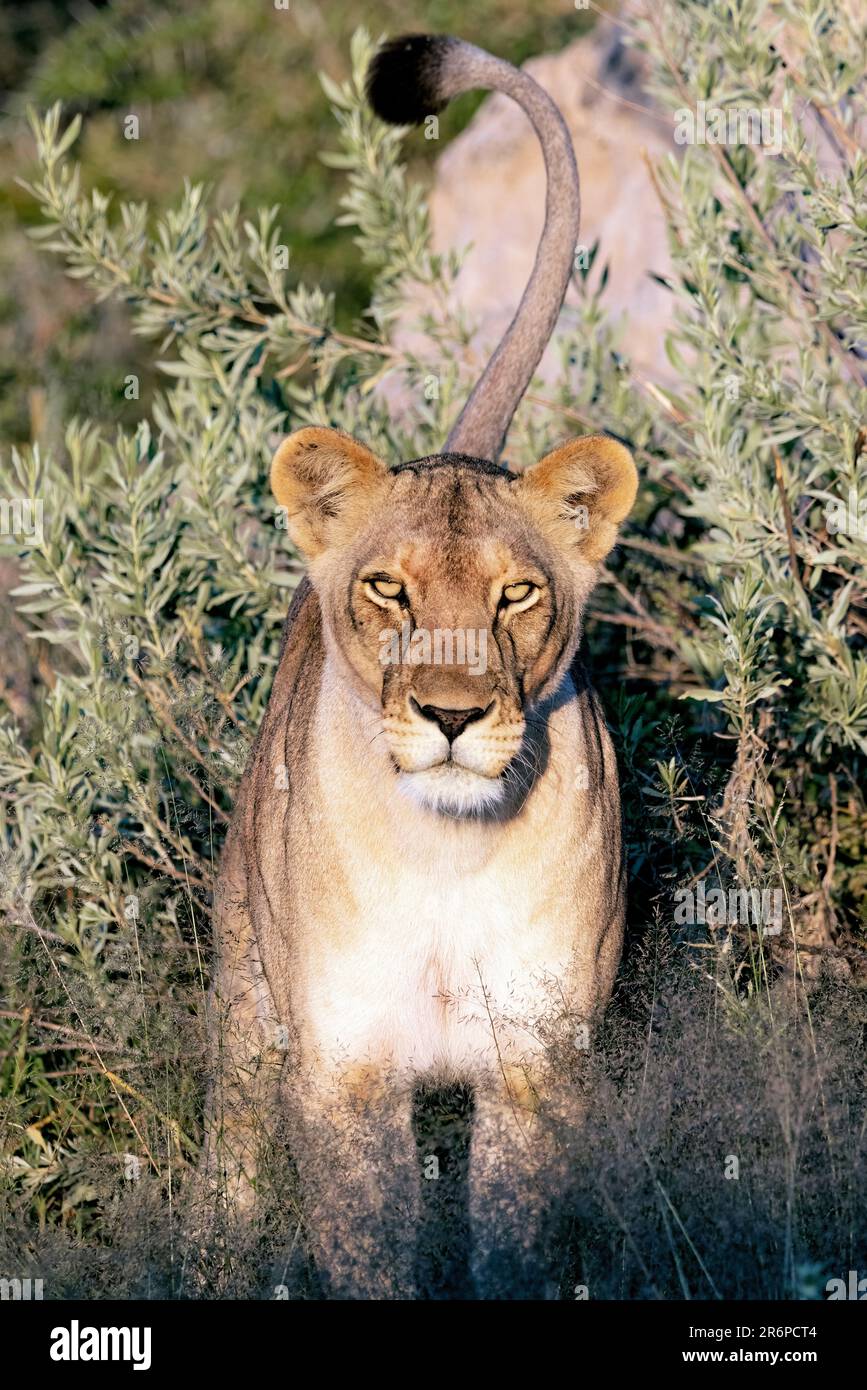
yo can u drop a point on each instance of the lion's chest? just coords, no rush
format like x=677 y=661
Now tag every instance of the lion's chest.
x=431 y=970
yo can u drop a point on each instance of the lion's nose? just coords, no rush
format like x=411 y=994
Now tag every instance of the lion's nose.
x=451 y=721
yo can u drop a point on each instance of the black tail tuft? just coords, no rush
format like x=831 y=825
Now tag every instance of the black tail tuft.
x=403 y=80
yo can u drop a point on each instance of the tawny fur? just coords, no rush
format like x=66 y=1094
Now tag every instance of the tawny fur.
x=394 y=907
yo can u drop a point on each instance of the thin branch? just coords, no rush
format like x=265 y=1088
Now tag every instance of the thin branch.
x=165 y=867
x=787 y=517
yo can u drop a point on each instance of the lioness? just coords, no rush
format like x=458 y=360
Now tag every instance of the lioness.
x=423 y=877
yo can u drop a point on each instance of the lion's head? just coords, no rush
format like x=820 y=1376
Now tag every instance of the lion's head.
x=452 y=592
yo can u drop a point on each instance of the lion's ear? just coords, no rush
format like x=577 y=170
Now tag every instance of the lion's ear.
x=581 y=492
x=326 y=481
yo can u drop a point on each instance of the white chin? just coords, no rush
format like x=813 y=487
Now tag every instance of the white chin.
x=452 y=789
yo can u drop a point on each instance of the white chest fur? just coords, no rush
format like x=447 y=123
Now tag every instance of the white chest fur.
x=435 y=946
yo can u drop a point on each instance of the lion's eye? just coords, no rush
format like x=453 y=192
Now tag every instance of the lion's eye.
x=386 y=588
x=516 y=593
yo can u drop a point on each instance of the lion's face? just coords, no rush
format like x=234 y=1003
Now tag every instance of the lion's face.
x=454 y=612
x=453 y=592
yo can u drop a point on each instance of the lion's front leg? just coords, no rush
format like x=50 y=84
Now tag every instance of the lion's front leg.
x=513 y=1166
x=360 y=1181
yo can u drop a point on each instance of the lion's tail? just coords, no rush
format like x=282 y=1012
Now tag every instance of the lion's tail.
x=415 y=76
